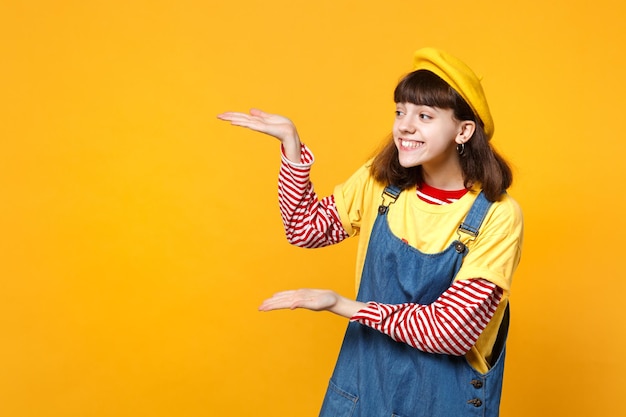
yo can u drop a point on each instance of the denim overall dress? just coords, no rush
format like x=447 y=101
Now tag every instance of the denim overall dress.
x=376 y=376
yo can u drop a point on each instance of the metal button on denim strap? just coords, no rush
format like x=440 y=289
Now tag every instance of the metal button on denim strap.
x=475 y=402
x=390 y=192
x=477 y=383
x=459 y=246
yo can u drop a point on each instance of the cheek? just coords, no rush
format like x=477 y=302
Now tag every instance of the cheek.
x=397 y=128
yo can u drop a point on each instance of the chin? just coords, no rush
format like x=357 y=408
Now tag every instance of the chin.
x=406 y=161
x=408 y=164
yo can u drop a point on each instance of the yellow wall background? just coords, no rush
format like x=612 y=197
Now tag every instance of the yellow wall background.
x=139 y=233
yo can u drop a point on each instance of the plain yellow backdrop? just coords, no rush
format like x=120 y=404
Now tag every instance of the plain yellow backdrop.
x=139 y=233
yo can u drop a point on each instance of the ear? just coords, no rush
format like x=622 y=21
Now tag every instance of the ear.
x=466 y=130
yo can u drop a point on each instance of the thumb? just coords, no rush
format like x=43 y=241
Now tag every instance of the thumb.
x=258 y=112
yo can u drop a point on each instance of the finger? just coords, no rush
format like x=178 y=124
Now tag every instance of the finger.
x=281 y=300
x=235 y=116
x=272 y=304
x=229 y=115
x=286 y=293
x=258 y=113
x=244 y=120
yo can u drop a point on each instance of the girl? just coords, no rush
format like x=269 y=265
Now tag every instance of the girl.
x=440 y=240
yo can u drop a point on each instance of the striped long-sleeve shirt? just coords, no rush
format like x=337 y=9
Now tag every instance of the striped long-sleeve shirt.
x=451 y=325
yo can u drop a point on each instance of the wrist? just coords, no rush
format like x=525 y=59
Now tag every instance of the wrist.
x=292 y=149
x=347 y=308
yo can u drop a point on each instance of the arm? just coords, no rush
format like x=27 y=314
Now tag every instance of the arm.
x=308 y=222
x=451 y=325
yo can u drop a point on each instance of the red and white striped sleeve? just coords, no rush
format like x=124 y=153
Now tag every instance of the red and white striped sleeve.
x=451 y=325
x=308 y=221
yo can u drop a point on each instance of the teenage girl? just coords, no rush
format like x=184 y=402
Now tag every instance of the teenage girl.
x=439 y=241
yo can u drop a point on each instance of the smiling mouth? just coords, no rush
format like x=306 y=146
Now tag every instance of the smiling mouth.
x=410 y=144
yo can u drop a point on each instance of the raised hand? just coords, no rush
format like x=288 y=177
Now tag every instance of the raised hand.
x=274 y=125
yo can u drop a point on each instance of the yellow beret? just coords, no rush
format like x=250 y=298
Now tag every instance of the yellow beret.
x=460 y=77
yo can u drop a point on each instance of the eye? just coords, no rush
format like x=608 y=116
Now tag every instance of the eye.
x=399 y=113
x=425 y=116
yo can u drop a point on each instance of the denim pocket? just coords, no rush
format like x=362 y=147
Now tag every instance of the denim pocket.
x=338 y=403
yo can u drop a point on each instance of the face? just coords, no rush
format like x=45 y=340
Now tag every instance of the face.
x=428 y=136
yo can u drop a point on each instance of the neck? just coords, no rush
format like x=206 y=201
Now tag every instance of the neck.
x=444 y=173
x=445 y=181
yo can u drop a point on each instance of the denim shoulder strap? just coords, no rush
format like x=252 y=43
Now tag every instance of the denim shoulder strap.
x=476 y=215
x=389 y=195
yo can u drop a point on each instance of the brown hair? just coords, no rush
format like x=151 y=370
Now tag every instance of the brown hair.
x=480 y=162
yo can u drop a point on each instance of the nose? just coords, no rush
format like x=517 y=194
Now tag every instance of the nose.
x=405 y=125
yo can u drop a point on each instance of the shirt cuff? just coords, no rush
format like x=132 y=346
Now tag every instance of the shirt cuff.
x=306 y=157
x=371 y=314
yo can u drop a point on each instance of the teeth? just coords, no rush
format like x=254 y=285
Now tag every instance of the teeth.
x=410 y=143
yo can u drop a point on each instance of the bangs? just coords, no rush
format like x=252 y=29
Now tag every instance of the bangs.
x=422 y=87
